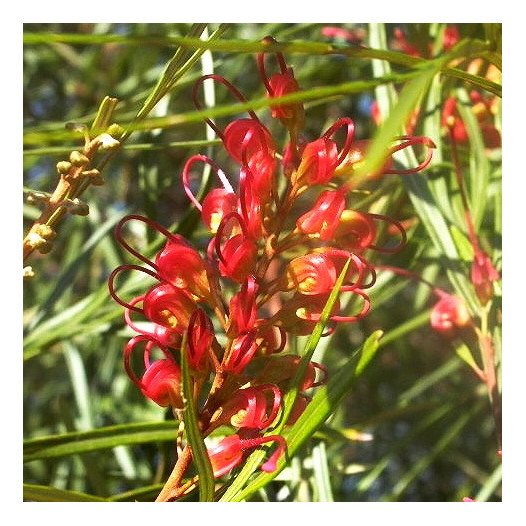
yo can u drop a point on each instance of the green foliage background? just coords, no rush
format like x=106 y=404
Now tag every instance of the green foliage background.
x=416 y=425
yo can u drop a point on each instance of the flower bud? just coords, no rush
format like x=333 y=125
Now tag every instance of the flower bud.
x=63 y=167
x=449 y=314
x=78 y=159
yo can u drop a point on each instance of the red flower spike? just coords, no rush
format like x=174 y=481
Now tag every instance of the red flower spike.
x=449 y=314
x=169 y=306
x=237 y=256
x=240 y=353
x=300 y=314
x=357 y=232
x=260 y=170
x=357 y=271
x=243 y=308
x=161 y=381
x=291 y=115
x=349 y=136
x=183 y=267
x=290 y=159
x=200 y=338
x=228 y=453
x=323 y=219
x=270 y=339
x=355 y=157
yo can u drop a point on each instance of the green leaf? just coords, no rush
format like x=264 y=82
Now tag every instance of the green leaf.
x=33 y=492
x=193 y=432
x=104 y=438
x=465 y=354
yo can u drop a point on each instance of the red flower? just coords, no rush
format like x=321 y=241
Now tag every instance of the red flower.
x=218 y=203
x=355 y=230
x=483 y=273
x=200 y=339
x=183 y=267
x=320 y=158
x=243 y=138
x=243 y=308
x=240 y=353
x=226 y=455
x=237 y=255
x=283 y=83
x=323 y=218
x=161 y=381
x=449 y=314
x=250 y=408
x=169 y=306
x=311 y=274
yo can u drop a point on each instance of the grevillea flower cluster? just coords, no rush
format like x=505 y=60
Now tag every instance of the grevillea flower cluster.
x=281 y=229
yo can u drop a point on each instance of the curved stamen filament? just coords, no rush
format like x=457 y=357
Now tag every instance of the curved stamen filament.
x=156 y=226
x=230 y=87
x=365 y=309
x=398 y=226
x=411 y=141
x=348 y=137
x=150 y=344
x=111 y=286
x=186 y=177
x=217 y=239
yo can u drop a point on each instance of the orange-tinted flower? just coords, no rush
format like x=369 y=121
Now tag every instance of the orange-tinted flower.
x=218 y=203
x=323 y=218
x=183 y=267
x=169 y=306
